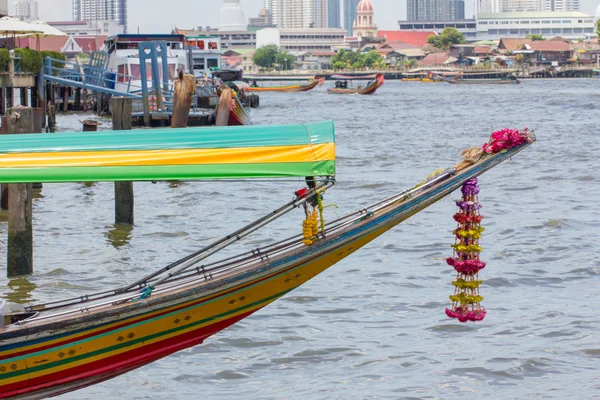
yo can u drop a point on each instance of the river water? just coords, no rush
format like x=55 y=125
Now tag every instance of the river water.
x=372 y=326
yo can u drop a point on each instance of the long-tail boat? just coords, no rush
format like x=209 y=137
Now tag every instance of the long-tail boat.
x=341 y=86
x=313 y=83
x=461 y=80
x=57 y=347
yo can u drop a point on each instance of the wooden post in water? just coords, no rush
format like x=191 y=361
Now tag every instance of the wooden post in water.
x=77 y=102
x=121 y=118
x=65 y=105
x=183 y=95
x=20 y=230
x=224 y=107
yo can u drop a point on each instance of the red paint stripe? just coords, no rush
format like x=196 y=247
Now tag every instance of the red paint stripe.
x=97 y=371
x=65 y=342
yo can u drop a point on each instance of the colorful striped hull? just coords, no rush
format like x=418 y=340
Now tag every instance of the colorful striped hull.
x=238 y=114
x=65 y=352
x=370 y=89
x=288 y=89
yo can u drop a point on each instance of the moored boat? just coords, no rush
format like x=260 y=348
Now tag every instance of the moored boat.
x=461 y=80
x=314 y=82
x=54 y=348
x=342 y=83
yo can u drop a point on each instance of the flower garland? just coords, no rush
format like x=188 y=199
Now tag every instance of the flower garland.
x=465 y=260
x=506 y=139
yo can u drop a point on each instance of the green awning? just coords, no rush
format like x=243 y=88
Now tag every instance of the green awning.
x=255 y=151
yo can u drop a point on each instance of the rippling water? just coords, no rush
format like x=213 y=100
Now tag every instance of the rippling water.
x=372 y=326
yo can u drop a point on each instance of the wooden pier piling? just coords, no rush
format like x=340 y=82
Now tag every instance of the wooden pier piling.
x=20 y=229
x=183 y=95
x=121 y=118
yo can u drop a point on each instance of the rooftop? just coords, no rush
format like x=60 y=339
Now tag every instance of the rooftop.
x=414 y=38
x=523 y=15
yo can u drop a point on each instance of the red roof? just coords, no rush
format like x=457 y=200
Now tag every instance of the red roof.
x=323 y=53
x=434 y=59
x=49 y=43
x=513 y=44
x=482 y=50
x=550 y=45
x=89 y=44
x=411 y=37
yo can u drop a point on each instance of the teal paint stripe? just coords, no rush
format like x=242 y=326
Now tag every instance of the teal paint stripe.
x=167 y=139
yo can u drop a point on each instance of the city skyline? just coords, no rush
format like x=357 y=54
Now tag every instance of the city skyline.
x=110 y=10
x=387 y=13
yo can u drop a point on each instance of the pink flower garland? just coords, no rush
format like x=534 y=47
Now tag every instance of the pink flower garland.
x=466 y=298
x=506 y=139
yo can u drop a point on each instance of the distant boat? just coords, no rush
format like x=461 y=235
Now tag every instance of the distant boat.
x=341 y=85
x=314 y=82
x=460 y=80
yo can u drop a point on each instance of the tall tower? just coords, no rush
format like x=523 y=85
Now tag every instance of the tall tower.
x=101 y=10
x=350 y=15
x=299 y=13
x=436 y=10
x=333 y=13
x=364 y=25
x=232 y=16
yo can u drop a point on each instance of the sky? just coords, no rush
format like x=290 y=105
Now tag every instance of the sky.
x=160 y=16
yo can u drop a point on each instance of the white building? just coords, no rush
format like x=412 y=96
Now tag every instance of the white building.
x=27 y=10
x=299 y=41
x=232 y=16
x=88 y=28
x=364 y=24
x=567 y=24
x=298 y=13
x=561 y=5
x=4 y=7
x=101 y=10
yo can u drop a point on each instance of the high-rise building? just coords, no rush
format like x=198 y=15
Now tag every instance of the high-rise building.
x=349 y=13
x=561 y=5
x=27 y=10
x=333 y=14
x=435 y=10
x=4 y=7
x=94 y=10
x=520 y=5
x=298 y=13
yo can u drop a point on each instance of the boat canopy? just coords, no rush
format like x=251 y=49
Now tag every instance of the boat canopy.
x=353 y=78
x=268 y=151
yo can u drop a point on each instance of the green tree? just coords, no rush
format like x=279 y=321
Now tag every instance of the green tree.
x=446 y=39
x=285 y=60
x=371 y=58
x=535 y=36
x=266 y=56
x=598 y=30
x=339 y=65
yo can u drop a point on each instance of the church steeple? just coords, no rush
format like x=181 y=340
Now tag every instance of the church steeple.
x=364 y=25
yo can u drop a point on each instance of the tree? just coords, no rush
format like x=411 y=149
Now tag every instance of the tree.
x=339 y=65
x=448 y=37
x=266 y=56
x=598 y=30
x=285 y=60
x=535 y=36
x=371 y=58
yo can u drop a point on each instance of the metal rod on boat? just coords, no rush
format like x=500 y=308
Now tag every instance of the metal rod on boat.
x=226 y=241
